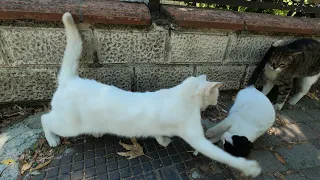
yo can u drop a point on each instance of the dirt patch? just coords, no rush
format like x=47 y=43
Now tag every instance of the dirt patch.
x=14 y=113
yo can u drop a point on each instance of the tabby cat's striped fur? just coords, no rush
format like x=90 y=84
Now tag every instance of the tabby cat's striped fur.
x=282 y=63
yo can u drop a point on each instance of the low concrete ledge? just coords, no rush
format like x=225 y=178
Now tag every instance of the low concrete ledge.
x=211 y=18
x=107 y=12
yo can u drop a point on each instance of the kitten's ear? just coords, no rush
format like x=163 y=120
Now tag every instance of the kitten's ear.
x=295 y=54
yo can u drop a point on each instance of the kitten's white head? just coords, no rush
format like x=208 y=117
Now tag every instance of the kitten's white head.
x=207 y=91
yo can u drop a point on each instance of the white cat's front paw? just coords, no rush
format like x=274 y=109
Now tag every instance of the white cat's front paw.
x=277 y=106
x=251 y=168
x=53 y=140
x=166 y=141
x=163 y=141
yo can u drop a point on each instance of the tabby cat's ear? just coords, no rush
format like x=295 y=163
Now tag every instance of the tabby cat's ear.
x=295 y=54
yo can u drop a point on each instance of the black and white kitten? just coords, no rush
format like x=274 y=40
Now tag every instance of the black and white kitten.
x=251 y=115
x=283 y=63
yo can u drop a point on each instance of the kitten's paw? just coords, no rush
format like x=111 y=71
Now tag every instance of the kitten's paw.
x=163 y=141
x=251 y=168
x=277 y=106
x=53 y=140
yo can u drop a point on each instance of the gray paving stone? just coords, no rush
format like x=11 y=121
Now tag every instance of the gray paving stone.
x=267 y=161
x=296 y=132
x=267 y=140
x=312 y=173
x=315 y=126
x=295 y=116
x=301 y=156
x=308 y=102
x=265 y=177
x=34 y=121
x=295 y=176
x=315 y=113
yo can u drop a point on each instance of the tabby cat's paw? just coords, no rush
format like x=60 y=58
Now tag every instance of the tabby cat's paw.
x=277 y=106
x=293 y=101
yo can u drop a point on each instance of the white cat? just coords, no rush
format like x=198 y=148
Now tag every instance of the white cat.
x=83 y=106
x=251 y=116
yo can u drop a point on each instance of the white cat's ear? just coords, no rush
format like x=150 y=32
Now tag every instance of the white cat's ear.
x=202 y=77
x=208 y=88
x=211 y=86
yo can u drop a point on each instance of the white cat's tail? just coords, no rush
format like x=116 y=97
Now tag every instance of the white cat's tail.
x=72 y=53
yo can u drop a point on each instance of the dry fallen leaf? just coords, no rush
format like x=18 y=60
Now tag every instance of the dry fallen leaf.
x=312 y=96
x=25 y=167
x=134 y=150
x=7 y=161
x=280 y=158
x=41 y=165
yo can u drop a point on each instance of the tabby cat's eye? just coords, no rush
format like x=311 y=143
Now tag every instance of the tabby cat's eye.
x=282 y=65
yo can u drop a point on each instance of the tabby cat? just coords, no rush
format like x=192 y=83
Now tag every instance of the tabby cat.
x=283 y=63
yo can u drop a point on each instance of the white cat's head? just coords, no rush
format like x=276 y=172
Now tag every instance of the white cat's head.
x=208 y=92
x=236 y=145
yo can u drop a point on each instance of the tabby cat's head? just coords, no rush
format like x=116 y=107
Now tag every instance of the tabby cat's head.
x=281 y=58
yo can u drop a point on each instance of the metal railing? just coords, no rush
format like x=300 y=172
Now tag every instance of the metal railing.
x=307 y=8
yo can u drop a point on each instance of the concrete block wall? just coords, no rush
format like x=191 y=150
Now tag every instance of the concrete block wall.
x=132 y=59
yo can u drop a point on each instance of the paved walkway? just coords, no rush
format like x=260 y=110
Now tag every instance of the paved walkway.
x=290 y=150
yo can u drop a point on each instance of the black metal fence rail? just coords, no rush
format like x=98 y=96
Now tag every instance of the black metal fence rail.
x=302 y=6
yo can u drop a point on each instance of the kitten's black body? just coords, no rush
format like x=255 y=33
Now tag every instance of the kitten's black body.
x=298 y=59
x=241 y=146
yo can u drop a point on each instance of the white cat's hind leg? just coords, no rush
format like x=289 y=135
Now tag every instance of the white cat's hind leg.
x=53 y=139
x=305 y=86
x=163 y=141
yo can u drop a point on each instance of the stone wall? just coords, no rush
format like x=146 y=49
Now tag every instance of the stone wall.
x=133 y=58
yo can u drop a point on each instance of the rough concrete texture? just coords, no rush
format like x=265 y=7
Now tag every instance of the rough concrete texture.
x=130 y=46
x=249 y=72
x=270 y=162
x=119 y=76
x=34 y=46
x=301 y=156
x=250 y=48
x=151 y=78
x=230 y=75
x=28 y=83
x=197 y=47
x=21 y=136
